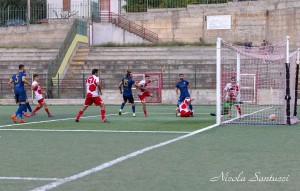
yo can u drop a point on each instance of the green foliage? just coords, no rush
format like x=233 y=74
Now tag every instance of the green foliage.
x=143 y=5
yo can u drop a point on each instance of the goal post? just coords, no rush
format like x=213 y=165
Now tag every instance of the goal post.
x=256 y=85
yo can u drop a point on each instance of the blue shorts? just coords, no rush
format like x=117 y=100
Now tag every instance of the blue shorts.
x=20 y=97
x=180 y=100
x=129 y=98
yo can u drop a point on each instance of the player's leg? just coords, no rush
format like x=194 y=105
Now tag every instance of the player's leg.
x=123 y=104
x=98 y=102
x=28 y=105
x=22 y=99
x=177 y=111
x=38 y=107
x=131 y=100
x=14 y=115
x=87 y=103
x=143 y=101
x=46 y=109
x=238 y=107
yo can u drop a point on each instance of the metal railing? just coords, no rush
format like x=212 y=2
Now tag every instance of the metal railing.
x=15 y=16
x=125 y=24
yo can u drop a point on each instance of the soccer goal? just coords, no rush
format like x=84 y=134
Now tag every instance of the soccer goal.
x=256 y=85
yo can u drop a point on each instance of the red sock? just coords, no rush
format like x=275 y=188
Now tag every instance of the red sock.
x=36 y=109
x=145 y=112
x=239 y=109
x=102 y=114
x=79 y=114
x=47 y=110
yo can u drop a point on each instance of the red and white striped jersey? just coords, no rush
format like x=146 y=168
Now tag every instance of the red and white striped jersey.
x=37 y=90
x=92 y=86
x=231 y=90
x=144 y=84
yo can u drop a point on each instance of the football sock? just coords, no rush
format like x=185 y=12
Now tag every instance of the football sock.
x=29 y=107
x=47 y=110
x=133 y=109
x=191 y=107
x=122 y=105
x=145 y=112
x=239 y=109
x=102 y=114
x=79 y=114
x=36 y=109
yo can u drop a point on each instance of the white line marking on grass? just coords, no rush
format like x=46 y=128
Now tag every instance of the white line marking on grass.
x=28 y=178
x=116 y=161
x=54 y=120
x=97 y=131
x=246 y=115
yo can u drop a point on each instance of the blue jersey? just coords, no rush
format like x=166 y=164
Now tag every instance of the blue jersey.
x=184 y=89
x=127 y=85
x=18 y=83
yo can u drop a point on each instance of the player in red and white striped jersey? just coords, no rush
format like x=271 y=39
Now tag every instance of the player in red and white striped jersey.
x=93 y=90
x=184 y=108
x=232 y=91
x=143 y=92
x=36 y=87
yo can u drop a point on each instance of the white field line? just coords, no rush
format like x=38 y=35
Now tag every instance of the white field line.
x=97 y=131
x=54 y=120
x=116 y=161
x=246 y=115
x=27 y=178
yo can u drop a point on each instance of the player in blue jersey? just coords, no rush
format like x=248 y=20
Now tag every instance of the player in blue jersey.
x=183 y=86
x=17 y=83
x=127 y=82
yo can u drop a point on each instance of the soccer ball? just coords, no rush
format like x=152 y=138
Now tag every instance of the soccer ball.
x=272 y=117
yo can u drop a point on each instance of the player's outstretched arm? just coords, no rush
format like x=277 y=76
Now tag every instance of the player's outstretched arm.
x=11 y=83
x=25 y=81
x=120 y=87
x=191 y=88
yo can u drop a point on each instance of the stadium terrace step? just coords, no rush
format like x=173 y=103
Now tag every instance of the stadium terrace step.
x=76 y=63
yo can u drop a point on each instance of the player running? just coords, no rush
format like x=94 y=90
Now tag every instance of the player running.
x=143 y=92
x=93 y=90
x=127 y=82
x=37 y=88
x=17 y=82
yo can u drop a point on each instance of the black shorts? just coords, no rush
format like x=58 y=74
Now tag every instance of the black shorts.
x=129 y=98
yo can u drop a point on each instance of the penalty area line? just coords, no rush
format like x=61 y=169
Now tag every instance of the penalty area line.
x=54 y=120
x=98 y=131
x=27 y=178
x=116 y=161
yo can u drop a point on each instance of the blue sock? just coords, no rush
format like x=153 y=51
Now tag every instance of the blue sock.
x=133 y=109
x=29 y=108
x=122 y=106
x=23 y=108
x=191 y=107
x=19 y=110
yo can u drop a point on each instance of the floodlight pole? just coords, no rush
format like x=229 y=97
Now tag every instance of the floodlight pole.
x=28 y=12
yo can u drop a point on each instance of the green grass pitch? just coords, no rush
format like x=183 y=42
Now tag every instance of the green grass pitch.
x=48 y=150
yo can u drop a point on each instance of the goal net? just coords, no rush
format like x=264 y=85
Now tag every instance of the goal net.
x=256 y=85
